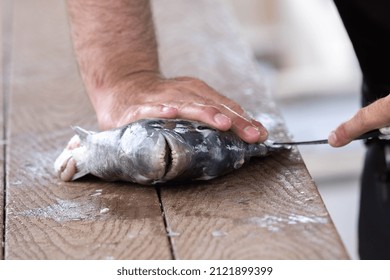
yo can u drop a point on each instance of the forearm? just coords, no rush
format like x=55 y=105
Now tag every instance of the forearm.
x=112 y=40
x=116 y=49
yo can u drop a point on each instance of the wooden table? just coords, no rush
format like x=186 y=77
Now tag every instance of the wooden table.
x=269 y=209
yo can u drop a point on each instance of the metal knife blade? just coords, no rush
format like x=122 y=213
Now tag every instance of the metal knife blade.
x=368 y=135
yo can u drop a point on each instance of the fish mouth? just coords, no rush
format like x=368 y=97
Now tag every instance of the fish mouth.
x=168 y=158
x=177 y=157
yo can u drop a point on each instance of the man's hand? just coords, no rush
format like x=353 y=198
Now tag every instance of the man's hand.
x=148 y=95
x=116 y=50
x=373 y=116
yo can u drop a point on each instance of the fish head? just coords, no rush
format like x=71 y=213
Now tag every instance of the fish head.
x=154 y=151
x=143 y=154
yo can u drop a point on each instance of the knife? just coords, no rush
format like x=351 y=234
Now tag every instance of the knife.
x=368 y=135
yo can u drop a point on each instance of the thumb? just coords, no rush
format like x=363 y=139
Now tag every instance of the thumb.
x=373 y=116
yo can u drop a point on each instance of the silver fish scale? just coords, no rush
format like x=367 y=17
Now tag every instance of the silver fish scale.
x=154 y=151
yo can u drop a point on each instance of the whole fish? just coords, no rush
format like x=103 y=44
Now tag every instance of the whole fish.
x=154 y=151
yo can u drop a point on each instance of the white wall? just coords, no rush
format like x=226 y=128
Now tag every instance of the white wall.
x=305 y=40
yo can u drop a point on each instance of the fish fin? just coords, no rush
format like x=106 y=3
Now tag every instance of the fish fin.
x=82 y=133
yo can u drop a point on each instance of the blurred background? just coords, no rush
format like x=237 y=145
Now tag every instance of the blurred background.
x=308 y=62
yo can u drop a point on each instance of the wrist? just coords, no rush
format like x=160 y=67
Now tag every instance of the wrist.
x=111 y=98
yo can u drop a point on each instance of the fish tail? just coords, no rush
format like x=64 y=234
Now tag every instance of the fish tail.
x=80 y=156
x=70 y=165
x=78 y=152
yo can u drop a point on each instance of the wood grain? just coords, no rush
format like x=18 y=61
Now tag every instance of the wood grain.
x=2 y=7
x=45 y=218
x=269 y=209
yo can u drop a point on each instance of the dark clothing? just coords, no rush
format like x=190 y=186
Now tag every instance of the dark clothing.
x=374 y=218
x=368 y=26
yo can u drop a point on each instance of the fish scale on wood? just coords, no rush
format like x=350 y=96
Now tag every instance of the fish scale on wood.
x=154 y=151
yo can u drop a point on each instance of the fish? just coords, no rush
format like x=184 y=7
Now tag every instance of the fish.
x=155 y=151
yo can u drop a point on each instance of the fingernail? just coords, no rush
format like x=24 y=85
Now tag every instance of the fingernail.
x=264 y=134
x=252 y=131
x=332 y=138
x=221 y=119
x=166 y=109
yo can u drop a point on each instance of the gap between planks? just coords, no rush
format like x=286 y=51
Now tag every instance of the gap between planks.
x=166 y=225
x=5 y=60
x=39 y=217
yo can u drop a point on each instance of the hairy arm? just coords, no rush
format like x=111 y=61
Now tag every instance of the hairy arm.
x=113 y=40
x=116 y=48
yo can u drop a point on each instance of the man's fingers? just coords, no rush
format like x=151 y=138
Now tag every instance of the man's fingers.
x=222 y=119
x=244 y=126
x=250 y=131
x=205 y=113
x=215 y=115
x=373 y=116
x=246 y=131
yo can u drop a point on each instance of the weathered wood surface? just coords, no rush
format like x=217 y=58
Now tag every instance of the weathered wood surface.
x=47 y=219
x=270 y=209
x=2 y=85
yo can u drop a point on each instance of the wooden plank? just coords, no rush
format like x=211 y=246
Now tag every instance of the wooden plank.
x=2 y=7
x=269 y=209
x=48 y=219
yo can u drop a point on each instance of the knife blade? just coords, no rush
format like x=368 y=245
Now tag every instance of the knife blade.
x=368 y=135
